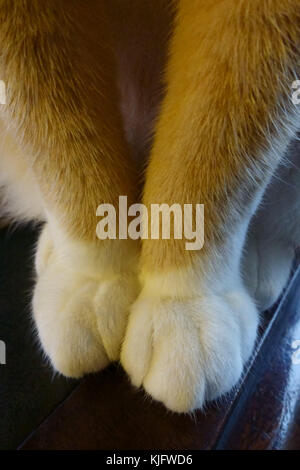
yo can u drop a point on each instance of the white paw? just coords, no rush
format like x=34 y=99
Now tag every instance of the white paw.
x=266 y=268
x=80 y=318
x=191 y=351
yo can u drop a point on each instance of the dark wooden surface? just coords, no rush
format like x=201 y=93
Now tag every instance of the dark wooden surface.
x=104 y=412
x=267 y=411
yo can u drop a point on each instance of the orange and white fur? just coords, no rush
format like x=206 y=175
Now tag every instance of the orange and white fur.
x=87 y=83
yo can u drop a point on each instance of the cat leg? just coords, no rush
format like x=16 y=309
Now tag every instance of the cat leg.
x=274 y=234
x=225 y=122
x=62 y=106
x=19 y=195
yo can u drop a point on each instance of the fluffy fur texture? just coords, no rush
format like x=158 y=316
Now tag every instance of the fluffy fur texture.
x=83 y=88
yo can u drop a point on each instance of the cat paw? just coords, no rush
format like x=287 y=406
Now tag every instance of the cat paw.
x=80 y=316
x=188 y=352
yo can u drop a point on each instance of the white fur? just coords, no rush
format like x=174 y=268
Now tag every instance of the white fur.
x=80 y=308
